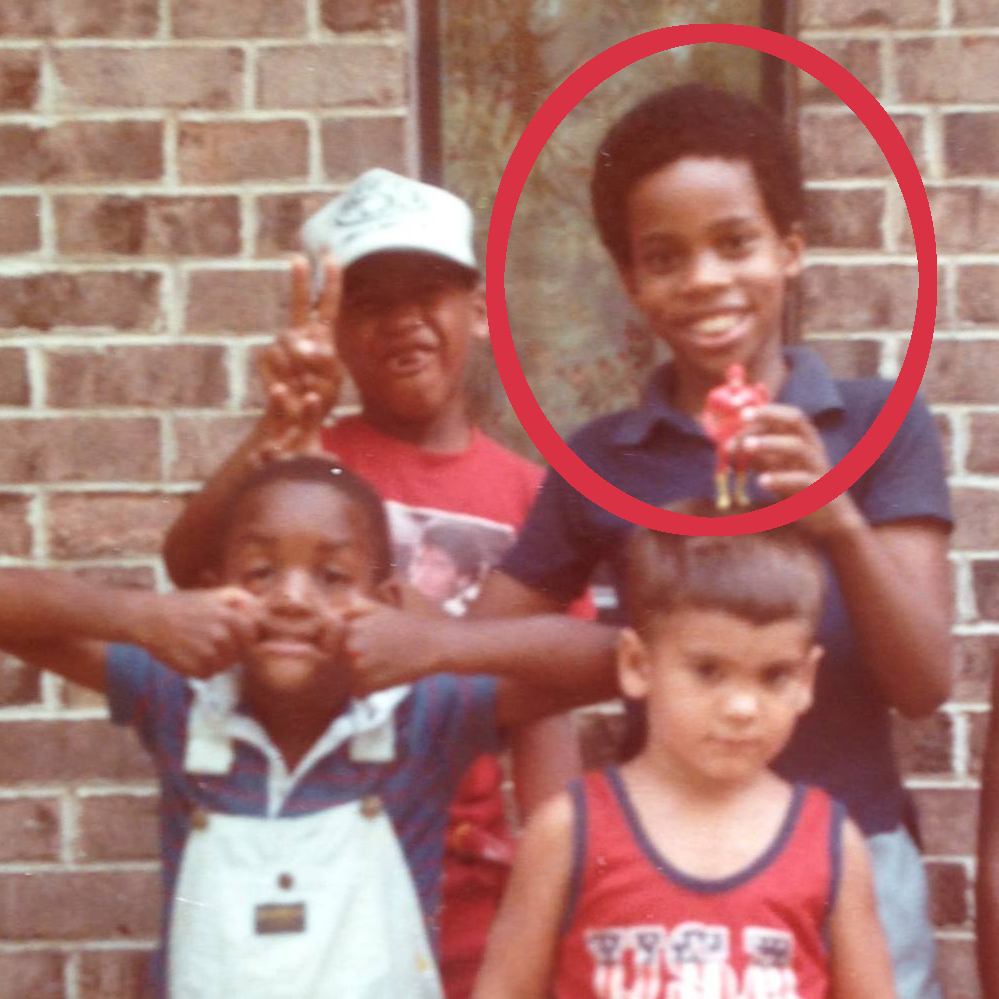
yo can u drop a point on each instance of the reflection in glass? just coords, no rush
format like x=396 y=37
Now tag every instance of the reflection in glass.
x=580 y=347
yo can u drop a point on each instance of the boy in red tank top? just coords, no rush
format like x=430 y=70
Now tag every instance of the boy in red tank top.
x=693 y=871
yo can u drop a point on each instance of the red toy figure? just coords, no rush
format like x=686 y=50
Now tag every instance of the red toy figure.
x=726 y=412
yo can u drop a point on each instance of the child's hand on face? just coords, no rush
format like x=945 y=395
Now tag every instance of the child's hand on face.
x=386 y=647
x=783 y=447
x=301 y=370
x=198 y=632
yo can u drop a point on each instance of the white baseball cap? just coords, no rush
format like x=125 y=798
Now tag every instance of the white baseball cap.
x=382 y=211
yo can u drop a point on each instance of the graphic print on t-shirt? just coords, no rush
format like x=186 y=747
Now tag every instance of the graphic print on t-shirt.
x=690 y=961
x=445 y=555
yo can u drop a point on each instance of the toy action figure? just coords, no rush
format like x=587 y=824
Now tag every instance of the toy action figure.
x=726 y=411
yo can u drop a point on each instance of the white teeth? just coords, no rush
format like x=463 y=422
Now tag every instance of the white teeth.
x=716 y=324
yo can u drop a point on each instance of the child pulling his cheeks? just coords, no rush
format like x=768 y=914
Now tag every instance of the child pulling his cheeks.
x=302 y=827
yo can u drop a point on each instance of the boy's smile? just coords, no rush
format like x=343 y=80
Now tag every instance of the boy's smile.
x=708 y=270
x=722 y=693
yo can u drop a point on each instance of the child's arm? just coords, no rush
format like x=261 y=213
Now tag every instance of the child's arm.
x=302 y=375
x=546 y=663
x=57 y=622
x=987 y=882
x=859 y=966
x=895 y=577
x=520 y=957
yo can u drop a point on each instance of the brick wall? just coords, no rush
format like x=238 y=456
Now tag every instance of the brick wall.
x=156 y=159
x=932 y=64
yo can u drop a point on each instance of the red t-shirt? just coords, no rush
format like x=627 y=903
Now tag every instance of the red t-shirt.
x=637 y=926
x=451 y=517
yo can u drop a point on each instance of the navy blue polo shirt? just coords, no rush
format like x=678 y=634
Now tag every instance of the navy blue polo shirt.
x=660 y=455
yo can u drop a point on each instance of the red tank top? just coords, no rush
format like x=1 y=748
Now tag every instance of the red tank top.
x=637 y=928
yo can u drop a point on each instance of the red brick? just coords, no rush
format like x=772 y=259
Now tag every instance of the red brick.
x=844 y=219
x=958 y=968
x=104 y=525
x=39 y=751
x=79 y=905
x=14 y=389
x=79 y=18
x=949 y=891
x=353 y=145
x=848 y=358
x=81 y=152
x=123 y=300
x=182 y=374
x=20 y=71
x=331 y=76
x=970 y=141
x=29 y=829
x=983 y=13
x=839 y=145
x=869 y=13
x=148 y=226
x=19 y=684
x=280 y=217
x=362 y=15
x=862 y=57
x=860 y=297
x=237 y=301
x=976 y=524
x=118 y=827
x=247 y=19
x=166 y=77
x=601 y=736
x=221 y=152
x=983 y=450
x=977 y=301
x=964 y=219
x=978 y=726
x=948 y=818
x=31 y=974
x=924 y=746
x=20 y=232
x=975 y=657
x=71 y=449
x=113 y=974
x=945 y=430
x=960 y=371
x=985 y=578
x=203 y=442
x=15 y=528
x=948 y=69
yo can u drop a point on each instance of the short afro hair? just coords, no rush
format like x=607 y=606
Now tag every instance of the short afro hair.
x=692 y=120
x=323 y=471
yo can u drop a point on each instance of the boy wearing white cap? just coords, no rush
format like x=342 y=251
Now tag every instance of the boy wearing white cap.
x=399 y=306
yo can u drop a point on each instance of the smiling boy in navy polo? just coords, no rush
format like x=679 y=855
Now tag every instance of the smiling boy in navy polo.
x=698 y=199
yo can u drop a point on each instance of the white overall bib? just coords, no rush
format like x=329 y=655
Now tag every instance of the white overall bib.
x=321 y=906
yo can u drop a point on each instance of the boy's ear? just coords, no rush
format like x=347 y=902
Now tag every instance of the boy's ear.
x=389 y=591
x=808 y=671
x=480 y=320
x=632 y=664
x=794 y=250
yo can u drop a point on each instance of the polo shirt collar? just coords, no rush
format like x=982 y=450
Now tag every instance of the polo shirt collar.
x=808 y=386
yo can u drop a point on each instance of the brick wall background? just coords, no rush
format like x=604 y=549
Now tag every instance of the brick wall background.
x=156 y=158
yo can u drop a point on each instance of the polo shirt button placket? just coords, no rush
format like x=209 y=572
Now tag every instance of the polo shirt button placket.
x=371 y=806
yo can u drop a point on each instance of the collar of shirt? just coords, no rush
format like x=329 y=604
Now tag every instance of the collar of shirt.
x=808 y=386
x=215 y=721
